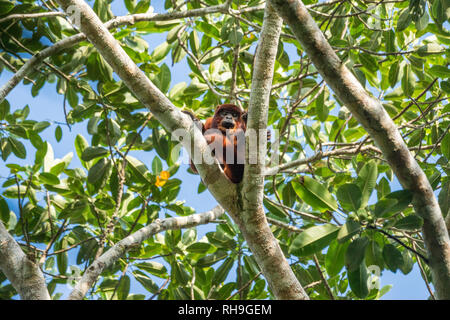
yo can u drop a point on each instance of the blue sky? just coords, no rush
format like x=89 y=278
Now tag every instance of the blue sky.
x=48 y=106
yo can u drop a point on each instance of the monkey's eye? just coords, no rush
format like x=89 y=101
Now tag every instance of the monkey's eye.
x=235 y=115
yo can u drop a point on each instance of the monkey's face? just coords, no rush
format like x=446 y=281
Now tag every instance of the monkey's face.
x=228 y=119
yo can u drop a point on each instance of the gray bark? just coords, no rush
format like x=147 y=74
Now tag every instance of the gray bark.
x=23 y=273
x=260 y=239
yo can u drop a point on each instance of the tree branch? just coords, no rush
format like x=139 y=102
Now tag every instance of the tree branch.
x=134 y=240
x=23 y=273
x=21 y=16
x=253 y=222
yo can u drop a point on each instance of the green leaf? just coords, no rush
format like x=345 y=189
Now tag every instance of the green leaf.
x=411 y=222
x=41 y=126
x=62 y=262
x=408 y=81
x=189 y=236
x=4 y=210
x=142 y=6
x=176 y=93
x=74 y=211
x=5 y=148
x=392 y=203
x=4 y=109
x=383 y=207
x=211 y=259
x=437 y=11
x=172 y=34
x=321 y=108
x=164 y=78
x=80 y=145
x=153 y=267
x=383 y=188
x=160 y=52
x=404 y=20
x=222 y=271
x=439 y=71
x=124 y=288
x=349 y=196
x=367 y=180
x=374 y=255
x=17 y=148
x=357 y=280
x=313 y=239
x=49 y=178
x=5 y=7
x=430 y=48
x=445 y=86
x=392 y=257
x=235 y=35
x=194 y=42
x=93 y=152
x=389 y=38
x=213 y=55
x=139 y=169
x=157 y=165
x=92 y=126
x=145 y=281
x=348 y=230
x=179 y=273
x=58 y=133
x=368 y=62
x=408 y=262
x=314 y=194
x=444 y=199
x=394 y=73
x=422 y=23
x=199 y=247
x=354 y=255
x=98 y=170
x=335 y=257
x=274 y=209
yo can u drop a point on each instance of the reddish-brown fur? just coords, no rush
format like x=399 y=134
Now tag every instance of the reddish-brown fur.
x=229 y=124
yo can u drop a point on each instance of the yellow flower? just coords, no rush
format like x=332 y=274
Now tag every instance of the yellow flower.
x=164 y=175
x=162 y=178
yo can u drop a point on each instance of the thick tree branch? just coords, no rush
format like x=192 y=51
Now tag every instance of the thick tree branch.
x=134 y=240
x=253 y=224
x=23 y=273
x=371 y=115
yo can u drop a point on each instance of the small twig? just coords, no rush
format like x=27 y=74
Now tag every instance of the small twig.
x=424 y=276
x=124 y=272
x=160 y=289
x=245 y=286
x=21 y=16
x=324 y=280
x=436 y=144
x=399 y=242
x=417 y=98
x=300 y=213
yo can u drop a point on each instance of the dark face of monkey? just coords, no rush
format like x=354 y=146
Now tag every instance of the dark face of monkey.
x=228 y=117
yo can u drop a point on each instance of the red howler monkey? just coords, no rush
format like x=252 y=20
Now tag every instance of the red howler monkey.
x=225 y=133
